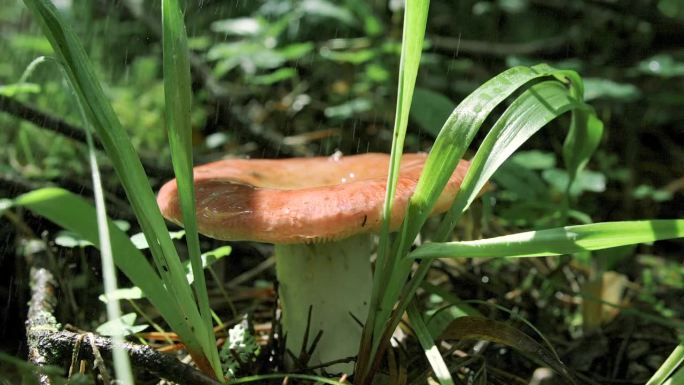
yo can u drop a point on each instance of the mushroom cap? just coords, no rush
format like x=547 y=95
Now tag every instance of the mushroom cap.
x=300 y=200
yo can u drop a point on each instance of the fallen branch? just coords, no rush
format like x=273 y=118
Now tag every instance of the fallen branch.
x=49 y=346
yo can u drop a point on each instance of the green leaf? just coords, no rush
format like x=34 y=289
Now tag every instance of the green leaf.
x=662 y=65
x=326 y=9
x=296 y=51
x=520 y=183
x=70 y=239
x=348 y=109
x=208 y=259
x=583 y=138
x=557 y=241
x=140 y=241
x=122 y=293
x=11 y=90
x=531 y=111
x=464 y=123
x=274 y=77
x=661 y=375
x=354 y=57
x=677 y=378
x=5 y=204
x=251 y=56
x=596 y=88
x=122 y=225
x=124 y=326
x=534 y=160
x=586 y=180
x=430 y=110
x=242 y=26
x=452 y=142
x=649 y=192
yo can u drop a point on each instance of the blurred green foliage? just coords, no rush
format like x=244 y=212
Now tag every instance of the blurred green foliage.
x=324 y=73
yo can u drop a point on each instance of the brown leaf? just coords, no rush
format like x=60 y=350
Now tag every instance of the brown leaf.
x=477 y=328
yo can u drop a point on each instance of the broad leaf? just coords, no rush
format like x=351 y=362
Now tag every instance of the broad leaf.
x=124 y=325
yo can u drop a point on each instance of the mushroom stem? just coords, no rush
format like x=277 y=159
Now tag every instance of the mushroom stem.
x=335 y=280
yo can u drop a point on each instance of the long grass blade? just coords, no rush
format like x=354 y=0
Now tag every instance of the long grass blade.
x=459 y=131
x=178 y=97
x=677 y=378
x=413 y=35
x=665 y=370
x=557 y=241
x=431 y=351
x=453 y=140
x=129 y=169
x=415 y=19
x=531 y=111
x=122 y=364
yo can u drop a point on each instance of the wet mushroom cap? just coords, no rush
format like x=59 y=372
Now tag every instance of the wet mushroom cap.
x=300 y=200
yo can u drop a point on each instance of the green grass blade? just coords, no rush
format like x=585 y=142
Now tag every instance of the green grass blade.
x=431 y=351
x=584 y=137
x=585 y=132
x=457 y=134
x=677 y=378
x=531 y=111
x=122 y=364
x=74 y=213
x=415 y=19
x=413 y=36
x=121 y=153
x=452 y=142
x=557 y=241
x=178 y=98
x=665 y=370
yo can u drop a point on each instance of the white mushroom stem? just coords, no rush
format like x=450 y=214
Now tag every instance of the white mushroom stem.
x=335 y=279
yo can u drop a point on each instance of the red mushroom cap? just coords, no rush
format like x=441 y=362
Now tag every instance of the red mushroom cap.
x=300 y=200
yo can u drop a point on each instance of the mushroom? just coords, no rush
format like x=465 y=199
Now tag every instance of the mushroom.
x=319 y=213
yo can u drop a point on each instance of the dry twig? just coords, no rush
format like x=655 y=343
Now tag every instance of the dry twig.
x=50 y=345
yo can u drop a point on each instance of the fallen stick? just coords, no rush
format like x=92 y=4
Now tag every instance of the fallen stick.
x=48 y=345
